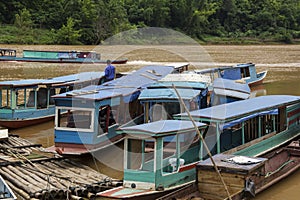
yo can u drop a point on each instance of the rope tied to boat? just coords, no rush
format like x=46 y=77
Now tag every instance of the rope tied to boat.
x=279 y=168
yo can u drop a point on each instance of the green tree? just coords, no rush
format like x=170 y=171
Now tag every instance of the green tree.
x=67 y=35
x=23 y=20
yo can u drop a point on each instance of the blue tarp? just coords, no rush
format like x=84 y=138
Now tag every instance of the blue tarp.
x=238 y=121
x=231 y=74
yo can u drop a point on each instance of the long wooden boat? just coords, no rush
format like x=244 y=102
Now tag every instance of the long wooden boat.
x=140 y=97
x=95 y=112
x=244 y=72
x=6 y=192
x=27 y=102
x=86 y=57
x=264 y=128
x=159 y=157
x=255 y=126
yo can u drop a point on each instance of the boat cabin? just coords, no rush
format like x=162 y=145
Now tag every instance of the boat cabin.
x=243 y=126
x=244 y=72
x=61 y=54
x=160 y=100
x=29 y=101
x=158 y=157
x=226 y=91
x=8 y=52
x=94 y=112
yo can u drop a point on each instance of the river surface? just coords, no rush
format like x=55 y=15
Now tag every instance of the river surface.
x=281 y=61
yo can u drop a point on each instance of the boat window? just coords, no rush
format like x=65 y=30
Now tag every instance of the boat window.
x=231 y=137
x=210 y=137
x=169 y=154
x=106 y=117
x=189 y=147
x=140 y=155
x=75 y=118
x=245 y=72
x=163 y=111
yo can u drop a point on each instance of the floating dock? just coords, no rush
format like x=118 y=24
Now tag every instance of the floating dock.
x=34 y=174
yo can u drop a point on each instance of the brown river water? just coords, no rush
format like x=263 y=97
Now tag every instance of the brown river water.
x=281 y=61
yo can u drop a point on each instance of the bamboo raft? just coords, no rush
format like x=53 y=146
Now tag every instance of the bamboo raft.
x=34 y=174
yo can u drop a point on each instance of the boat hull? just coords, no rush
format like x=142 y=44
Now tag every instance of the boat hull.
x=21 y=123
x=77 y=61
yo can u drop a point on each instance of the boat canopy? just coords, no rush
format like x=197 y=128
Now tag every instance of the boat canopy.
x=68 y=79
x=165 y=90
x=242 y=119
x=128 y=86
x=160 y=128
x=217 y=69
x=226 y=87
x=231 y=111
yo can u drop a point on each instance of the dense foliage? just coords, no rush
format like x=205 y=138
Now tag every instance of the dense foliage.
x=92 y=21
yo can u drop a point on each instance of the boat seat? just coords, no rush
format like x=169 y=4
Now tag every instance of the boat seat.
x=30 y=101
x=42 y=98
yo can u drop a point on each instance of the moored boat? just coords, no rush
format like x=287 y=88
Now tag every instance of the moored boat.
x=95 y=112
x=85 y=57
x=159 y=157
x=27 y=102
x=260 y=129
x=244 y=72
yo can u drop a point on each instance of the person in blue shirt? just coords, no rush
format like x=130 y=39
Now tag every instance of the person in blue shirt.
x=110 y=71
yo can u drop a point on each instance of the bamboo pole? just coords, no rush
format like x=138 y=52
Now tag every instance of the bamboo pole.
x=21 y=192
x=204 y=144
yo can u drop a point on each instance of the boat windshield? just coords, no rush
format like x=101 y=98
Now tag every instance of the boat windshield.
x=140 y=155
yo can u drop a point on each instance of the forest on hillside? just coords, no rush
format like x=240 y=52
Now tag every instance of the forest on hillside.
x=93 y=21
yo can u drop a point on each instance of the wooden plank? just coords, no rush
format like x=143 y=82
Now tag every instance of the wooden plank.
x=234 y=180
x=217 y=190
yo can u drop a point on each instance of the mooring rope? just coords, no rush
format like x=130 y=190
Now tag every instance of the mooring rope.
x=278 y=169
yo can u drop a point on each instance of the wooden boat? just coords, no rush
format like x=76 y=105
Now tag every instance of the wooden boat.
x=161 y=102
x=6 y=192
x=244 y=72
x=95 y=112
x=27 y=102
x=260 y=127
x=85 y=57
x=260 y=124
x=246 y=176
x=159 y=157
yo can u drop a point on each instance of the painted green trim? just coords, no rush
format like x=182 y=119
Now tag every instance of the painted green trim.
x=218 y=138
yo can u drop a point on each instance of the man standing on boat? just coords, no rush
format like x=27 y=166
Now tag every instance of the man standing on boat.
x=110 y=71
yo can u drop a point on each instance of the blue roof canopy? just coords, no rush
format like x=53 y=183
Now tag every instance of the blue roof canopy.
x=161 y=128
x=231 y=111
x=68 y=79
x=128 y=86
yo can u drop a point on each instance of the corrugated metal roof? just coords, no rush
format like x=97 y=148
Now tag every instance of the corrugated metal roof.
x=161 y=127
x=242 y=108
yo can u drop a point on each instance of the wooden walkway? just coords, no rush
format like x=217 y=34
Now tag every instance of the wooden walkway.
x=34 y=174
